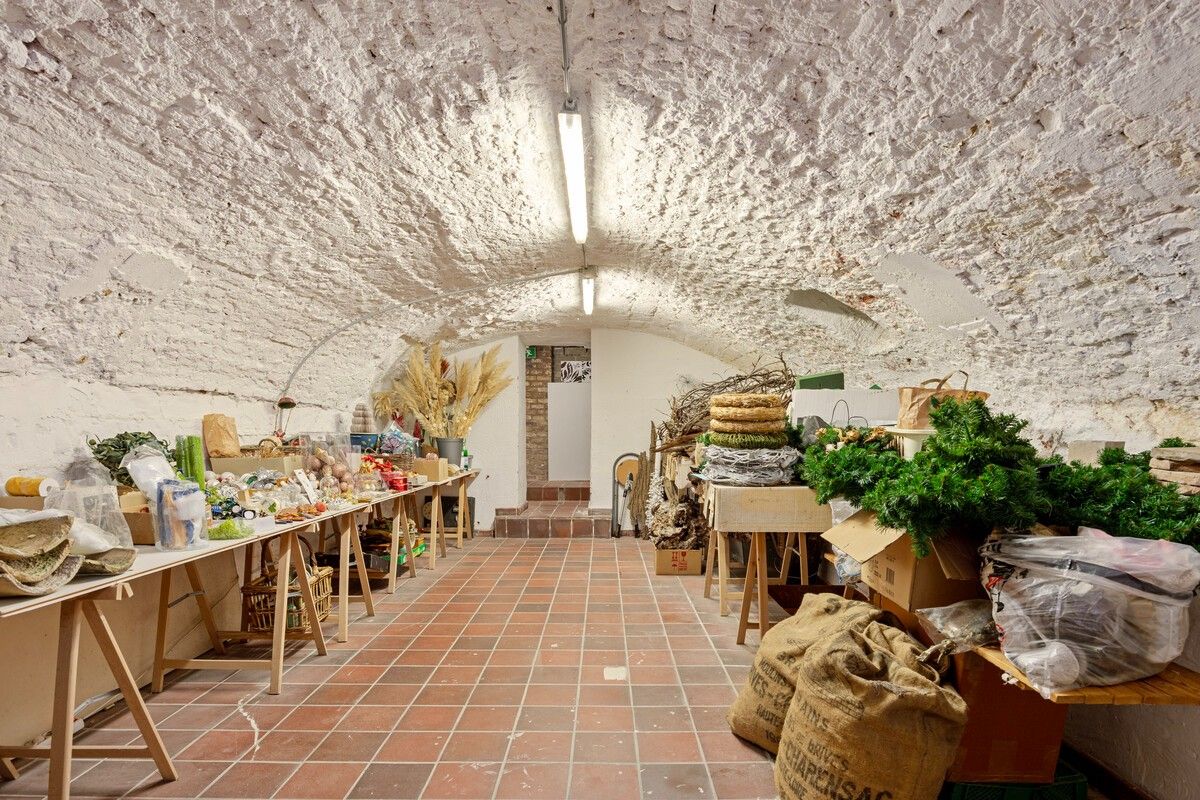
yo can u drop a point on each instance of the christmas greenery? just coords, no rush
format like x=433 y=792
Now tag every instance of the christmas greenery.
x=978 y=472
x=1121 y=498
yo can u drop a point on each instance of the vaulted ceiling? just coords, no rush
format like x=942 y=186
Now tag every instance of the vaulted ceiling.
x=195 y=192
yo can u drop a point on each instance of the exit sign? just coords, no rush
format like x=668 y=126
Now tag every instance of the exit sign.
x=531 y=351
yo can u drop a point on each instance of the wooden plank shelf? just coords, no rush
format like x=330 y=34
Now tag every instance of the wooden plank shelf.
x=1174 y=686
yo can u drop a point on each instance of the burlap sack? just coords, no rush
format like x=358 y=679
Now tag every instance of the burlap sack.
x=868 y=720
x=917 y=401
x=758 y=712
x=221 y=436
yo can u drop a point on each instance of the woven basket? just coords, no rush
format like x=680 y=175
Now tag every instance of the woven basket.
x=401 y=461
x=258 y=596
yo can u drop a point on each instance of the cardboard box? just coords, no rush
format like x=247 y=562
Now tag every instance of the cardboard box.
x=949 y=574
x=435 y=469
x=240 y=466
x=769 y=509
x=1088 y=451
x=141 y=527
x=678 y=562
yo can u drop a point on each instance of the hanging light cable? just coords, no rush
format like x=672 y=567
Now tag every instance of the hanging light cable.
x=570 y=139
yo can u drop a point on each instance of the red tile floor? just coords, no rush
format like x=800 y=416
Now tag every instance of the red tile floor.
x=520 y=669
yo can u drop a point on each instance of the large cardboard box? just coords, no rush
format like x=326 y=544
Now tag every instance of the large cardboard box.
x=949 y=574
x=677 y=562
x=240 y=466
x=435 y=469
x=141 y=528
x=766 y=509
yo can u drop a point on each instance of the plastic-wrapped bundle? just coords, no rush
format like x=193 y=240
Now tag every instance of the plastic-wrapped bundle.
x=761 y=467
x=1089 y=610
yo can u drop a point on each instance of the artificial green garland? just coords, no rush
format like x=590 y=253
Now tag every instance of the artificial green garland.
x=977 y=472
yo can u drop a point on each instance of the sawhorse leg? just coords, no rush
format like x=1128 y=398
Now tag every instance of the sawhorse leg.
x=348 y=540
x=62 y=749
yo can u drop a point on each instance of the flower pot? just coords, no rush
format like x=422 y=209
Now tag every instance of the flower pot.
x=450 y=449
x=911 y=439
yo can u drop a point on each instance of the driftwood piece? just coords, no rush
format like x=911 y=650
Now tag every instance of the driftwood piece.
x=689 y=409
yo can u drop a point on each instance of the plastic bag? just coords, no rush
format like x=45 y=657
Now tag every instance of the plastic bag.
x=180 y=515
x=395 y=440
x=148 y=467
x=957 y=628
x=89 y=494
x=1089 y=610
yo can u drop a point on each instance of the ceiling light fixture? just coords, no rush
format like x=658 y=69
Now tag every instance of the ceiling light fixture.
x=587 y=287
x=570 y=139
x=570 y=136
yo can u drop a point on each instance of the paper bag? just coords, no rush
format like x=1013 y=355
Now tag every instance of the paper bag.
x=917 y=401
x=221 y=436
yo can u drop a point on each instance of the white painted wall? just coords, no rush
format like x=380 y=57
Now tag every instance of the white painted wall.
x=1152 y=747
x=569 y=431
x=633 y=376
x=497 y=440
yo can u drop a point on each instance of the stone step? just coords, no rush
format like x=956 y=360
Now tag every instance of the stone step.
x=561 y=527
x=548 y=491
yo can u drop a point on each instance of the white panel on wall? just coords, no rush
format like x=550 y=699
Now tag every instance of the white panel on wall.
x=569 y=430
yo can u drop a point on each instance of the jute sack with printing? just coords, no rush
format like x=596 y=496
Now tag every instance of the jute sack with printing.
x=868 y=721
x=758 y=712
x=917 y=401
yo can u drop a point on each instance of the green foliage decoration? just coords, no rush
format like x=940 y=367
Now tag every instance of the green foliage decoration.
x=110 y=451
x=978 y=472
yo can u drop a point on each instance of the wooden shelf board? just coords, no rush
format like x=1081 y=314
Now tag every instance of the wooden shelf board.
x=1174 y=686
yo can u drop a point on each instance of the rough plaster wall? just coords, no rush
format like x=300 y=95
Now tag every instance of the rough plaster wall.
x=194 y=192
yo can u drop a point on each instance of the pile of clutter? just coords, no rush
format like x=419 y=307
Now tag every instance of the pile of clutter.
x=747 y=442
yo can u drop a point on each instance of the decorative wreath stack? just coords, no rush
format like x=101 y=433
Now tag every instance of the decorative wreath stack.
x=747 y=421
x=747 y=441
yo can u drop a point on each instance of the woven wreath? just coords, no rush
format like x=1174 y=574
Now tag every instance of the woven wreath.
x=721 y=426
x=748 y=441
x=747 y=400
x=747 y=414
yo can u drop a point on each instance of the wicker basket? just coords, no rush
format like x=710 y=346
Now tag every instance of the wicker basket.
x=258 y=596
x=401 y=461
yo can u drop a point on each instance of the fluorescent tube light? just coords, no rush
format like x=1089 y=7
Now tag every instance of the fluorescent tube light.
x=570 y=136
x=587 y=286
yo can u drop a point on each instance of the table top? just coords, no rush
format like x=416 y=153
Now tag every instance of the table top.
x=150 y=560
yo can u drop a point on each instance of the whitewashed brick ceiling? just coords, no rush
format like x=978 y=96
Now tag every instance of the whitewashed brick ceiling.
x=191 y=192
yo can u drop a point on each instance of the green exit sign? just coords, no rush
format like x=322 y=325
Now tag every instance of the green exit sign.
x=531 y=351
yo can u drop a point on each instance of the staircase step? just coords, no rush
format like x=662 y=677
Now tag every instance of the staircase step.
x=563 y=526
x=563 y=491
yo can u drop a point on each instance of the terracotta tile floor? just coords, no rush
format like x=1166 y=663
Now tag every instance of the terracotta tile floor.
x=520 y=669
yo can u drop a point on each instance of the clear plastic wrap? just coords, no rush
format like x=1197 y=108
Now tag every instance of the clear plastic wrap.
x=89 y=494
x=180 y=515
x=1089 y=610
x=957 y=628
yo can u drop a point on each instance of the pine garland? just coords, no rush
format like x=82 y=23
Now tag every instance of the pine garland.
x=978 y=472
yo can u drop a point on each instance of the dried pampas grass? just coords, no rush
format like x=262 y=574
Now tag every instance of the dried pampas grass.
x=446 y=400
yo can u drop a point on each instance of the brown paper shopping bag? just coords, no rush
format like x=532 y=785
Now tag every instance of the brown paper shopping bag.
x=221 y=436
x=917 y=401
